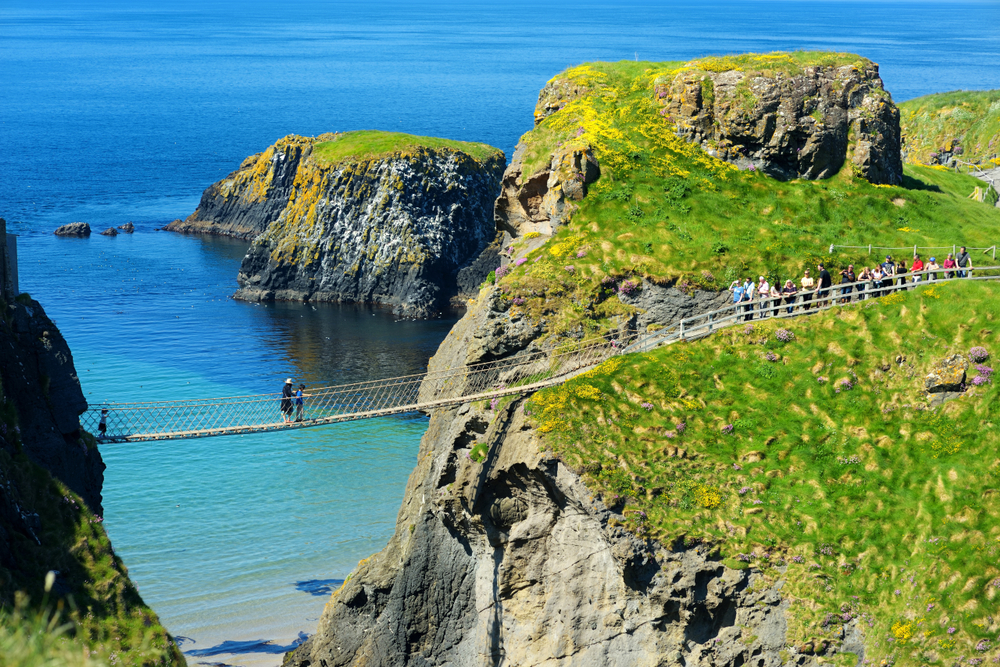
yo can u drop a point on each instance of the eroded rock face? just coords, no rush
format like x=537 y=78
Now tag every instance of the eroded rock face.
x=947 y=375
x=394 y=231
x=40 y=379
x=541 y=201
x=802 y=126
x=74 y=229
x=513 y=561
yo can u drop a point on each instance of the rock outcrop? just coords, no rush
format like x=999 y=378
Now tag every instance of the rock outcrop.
x=74 y=229
x=396 y=229
x=512 y=561
x=540 y=201
x=947 y=375
x=128 y=228
x=801 y=125
x=41 y=385
x=110 y=231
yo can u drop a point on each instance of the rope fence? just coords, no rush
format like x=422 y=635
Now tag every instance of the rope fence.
x=526 y=371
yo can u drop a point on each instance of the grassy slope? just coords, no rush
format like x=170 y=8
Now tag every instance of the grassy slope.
x=931 y=122
x=880 y=508
x=109 y=617
x=370 y=144
x=665 y=210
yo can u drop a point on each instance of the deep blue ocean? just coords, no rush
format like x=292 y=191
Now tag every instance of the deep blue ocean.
x=114 y=112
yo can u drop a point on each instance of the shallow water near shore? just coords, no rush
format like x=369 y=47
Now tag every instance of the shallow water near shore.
x=127 y=111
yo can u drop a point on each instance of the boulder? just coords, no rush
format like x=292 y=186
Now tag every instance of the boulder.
x=128 y=228
x=110 y=231
x=947 y=375
x=74 y=229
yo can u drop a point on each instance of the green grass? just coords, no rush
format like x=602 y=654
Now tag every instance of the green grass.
x=786 y=62
x=104 y=610
x=665 y=211
x=835 y=468
x=371 y=144
x=930 y=123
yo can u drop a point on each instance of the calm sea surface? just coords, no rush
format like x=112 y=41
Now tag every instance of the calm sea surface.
x=111 y=112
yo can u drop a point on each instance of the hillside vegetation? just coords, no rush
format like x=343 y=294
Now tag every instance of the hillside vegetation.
x=94 y=613
x=808 y=449
x=371 y=144
x=666 y=211
x=963 y=123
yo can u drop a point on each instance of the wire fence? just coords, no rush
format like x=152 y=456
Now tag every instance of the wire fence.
x=526 y=371
x=953 y=249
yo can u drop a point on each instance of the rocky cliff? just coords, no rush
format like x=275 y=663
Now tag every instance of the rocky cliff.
x=334 y=220
x=512 y=561
x=804 y=122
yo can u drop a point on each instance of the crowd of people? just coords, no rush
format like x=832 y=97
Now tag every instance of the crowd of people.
x=820 y=289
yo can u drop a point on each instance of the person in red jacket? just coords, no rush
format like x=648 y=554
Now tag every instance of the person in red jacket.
x=917 y=265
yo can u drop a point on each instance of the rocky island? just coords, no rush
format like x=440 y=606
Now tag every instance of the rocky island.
x=777 y=493
x=366 y=217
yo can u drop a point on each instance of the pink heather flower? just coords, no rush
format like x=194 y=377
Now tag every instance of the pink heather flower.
x=570 y=269
x=581 y=254
x=681 y=427
x=978 y=354
x=728 y=429
x=520 y=261
x=501 y=271
x=647 y=406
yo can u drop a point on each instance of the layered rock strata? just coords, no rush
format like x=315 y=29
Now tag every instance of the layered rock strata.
x=804 y=125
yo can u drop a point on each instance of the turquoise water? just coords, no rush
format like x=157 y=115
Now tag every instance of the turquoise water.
x=115 y=111
x=242 y=538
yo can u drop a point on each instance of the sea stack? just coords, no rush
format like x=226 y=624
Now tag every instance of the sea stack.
x=366 y=217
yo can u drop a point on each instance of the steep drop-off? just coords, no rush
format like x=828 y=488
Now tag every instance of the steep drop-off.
x=358 y=218
x=541 y=532
x=51 y=475
x=944 y=127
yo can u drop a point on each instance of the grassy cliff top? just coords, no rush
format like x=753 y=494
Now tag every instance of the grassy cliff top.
x=786 y=62
x=931 y=124
x=666 y=211
x=808 y=449
x=371 y=144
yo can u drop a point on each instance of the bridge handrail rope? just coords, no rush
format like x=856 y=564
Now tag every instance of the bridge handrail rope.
x=525 y=371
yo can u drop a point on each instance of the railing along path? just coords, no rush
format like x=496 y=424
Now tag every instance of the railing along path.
x=522 y=373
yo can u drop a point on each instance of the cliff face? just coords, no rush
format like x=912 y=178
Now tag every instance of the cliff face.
x=402 y=226
x=512 y=561
x=393 y=230
x=252 y=197
x=805 y=124
x=41 y=387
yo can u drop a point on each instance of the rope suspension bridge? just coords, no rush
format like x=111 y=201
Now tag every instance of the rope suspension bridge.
x=525 y=372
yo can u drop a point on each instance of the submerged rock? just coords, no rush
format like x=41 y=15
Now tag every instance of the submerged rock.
x=802 y=124
x=401 y=228
x=74 y=229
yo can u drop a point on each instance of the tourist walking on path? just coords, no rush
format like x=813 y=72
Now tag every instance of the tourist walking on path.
x=863 y=280
x=888 y=271
x=877 y=281
x=789 y=290
x=808 y=283
x=950 y=263
x=932 y=267
x=286 y=401
x=847 y=280
x=964 y=264
x=300 y=404
x=918 y=265
x=824 y=285
x=749 y=292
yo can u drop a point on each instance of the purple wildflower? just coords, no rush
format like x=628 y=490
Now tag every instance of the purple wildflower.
x=784 y=335
x=728 y=429
x=501 y=271
x=570 y=269
x=628 y=287
x=647 y=406
x=978 y=354
x=520 y=261
x=581 y=254
x=681 y=427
